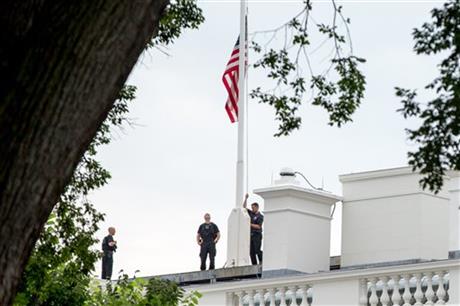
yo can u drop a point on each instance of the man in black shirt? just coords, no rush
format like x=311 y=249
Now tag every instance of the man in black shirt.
x=256 y=231
x=207 y=237
x=109 y=246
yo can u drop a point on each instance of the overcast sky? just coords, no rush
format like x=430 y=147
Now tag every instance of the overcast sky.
x=179 y=161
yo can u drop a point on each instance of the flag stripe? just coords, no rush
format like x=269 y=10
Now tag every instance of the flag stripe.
x=230 y=79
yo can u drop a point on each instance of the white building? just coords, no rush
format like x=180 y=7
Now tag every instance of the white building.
x=400 y=246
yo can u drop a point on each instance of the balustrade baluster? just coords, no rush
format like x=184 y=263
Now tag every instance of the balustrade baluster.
x=374 y=299
x=261 y=297
x=282 y=291
x=293 y=290
x=418 y=294
x=240 y=298
x=407 y=295
x=385 y=297
x=304 y=293
x=441 y=292
x=251 y=297
x=429 y=293
x=396 y=296
x=364 y=290
x=271 y=294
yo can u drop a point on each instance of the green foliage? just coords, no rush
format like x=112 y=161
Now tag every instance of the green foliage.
x=349 y=89
x=180 y=15
x=340 y=95
x=438 y=137
x=59 y=269
x=140 y=292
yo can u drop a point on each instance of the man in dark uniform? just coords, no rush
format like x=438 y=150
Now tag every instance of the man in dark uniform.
x=109 y=246
x=207 y=237
x=256 y=231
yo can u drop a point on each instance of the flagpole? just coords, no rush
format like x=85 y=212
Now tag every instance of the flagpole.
x=238 y=222
x=241 y=162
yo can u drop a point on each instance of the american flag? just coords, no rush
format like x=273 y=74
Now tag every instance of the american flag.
x=230 y=79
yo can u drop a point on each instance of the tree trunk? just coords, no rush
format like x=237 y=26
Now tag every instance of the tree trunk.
x=62 y=64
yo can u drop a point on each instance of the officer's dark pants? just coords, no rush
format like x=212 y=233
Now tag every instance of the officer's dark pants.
x=107 y=265
x=255 y=248
x=209 y=248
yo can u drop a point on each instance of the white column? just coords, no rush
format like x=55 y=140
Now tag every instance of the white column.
x=396 y=296
x=240 y=298
x=271 y=295
x=418 y=294
x=304 y=292
x=441 y=292
x=385 y=297
x=261 y=297
x=407 y=295
x=373 y=299
x=363 y=292
x=282 y=291
x=429 y=293
x=251 y=297
x=293 y=290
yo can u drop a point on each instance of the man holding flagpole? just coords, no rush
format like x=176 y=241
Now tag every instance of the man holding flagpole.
x=257 y=219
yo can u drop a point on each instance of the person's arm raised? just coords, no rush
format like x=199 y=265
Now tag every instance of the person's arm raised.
x=245 y=203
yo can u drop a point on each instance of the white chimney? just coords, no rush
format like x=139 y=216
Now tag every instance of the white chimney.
x=387 y=216
x=296 y=226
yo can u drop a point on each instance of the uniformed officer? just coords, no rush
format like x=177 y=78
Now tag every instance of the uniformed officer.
x=109 y=246
x=207 y=237
x=256 y=231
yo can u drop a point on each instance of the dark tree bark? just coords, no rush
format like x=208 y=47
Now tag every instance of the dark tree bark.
x=62 y=64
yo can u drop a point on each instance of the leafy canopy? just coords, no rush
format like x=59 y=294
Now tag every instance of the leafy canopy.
x=438 y=136
x=338 y=87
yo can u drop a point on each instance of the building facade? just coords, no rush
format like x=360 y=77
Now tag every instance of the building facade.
x=400 y=246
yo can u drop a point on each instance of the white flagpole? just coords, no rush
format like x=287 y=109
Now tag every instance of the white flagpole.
x=241 y=162
x=238 y=222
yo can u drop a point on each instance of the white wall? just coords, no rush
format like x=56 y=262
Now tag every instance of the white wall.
x=386 y=216
x=345 y=292
x=454 y=284
x=454 y=210
x=213 y=298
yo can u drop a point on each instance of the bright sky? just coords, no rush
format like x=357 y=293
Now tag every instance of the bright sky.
x=179 y=161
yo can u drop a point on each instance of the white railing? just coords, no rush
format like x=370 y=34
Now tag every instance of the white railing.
x=421 y=288
x=282 y=296
x=429 y=283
